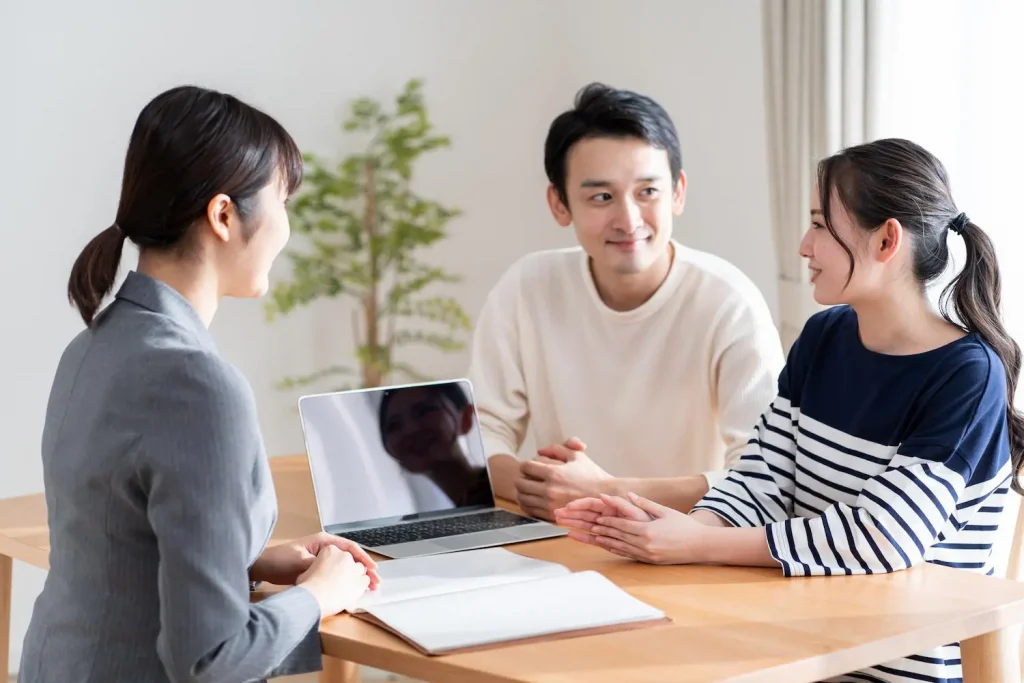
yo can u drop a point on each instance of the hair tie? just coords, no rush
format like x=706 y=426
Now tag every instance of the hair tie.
x=960 y=222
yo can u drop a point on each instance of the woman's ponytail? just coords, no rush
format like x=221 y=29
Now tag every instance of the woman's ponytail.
x=975 y=293
x=94 y=272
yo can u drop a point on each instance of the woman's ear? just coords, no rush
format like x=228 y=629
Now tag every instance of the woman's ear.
x=887 y=240
x=220 y=211
x=466 y=423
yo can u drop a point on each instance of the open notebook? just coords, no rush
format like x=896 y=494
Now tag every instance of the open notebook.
x=455 y=602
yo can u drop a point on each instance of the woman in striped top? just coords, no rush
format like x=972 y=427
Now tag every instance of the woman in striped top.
x=893 y=440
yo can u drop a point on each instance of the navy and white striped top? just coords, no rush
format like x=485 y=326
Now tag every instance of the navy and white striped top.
x=868 y=463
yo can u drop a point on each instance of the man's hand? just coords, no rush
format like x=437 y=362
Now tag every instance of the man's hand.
x=560 y=474
x=284 y=563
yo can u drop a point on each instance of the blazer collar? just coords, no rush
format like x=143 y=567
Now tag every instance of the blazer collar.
x=161 y=298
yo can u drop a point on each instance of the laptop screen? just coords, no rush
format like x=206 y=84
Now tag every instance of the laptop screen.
x=380 y=456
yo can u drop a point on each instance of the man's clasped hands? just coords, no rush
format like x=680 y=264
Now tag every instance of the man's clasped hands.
x=562 y=484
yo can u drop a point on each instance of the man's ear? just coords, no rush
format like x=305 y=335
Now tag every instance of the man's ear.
x=558 y=208
x=679 y=194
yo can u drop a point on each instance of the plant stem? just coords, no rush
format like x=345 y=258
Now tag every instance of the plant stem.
x=371 y=368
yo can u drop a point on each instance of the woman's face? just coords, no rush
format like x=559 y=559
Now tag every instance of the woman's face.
x=420 y=427
x=828 y=262
x=244 y=265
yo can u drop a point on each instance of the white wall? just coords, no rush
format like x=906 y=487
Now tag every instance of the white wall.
x=75 y=75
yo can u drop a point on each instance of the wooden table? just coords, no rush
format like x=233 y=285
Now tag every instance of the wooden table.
x=730 y=624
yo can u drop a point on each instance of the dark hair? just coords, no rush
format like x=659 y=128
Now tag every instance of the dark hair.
x=601 y=111
x=450 y=390
x=189 y=144
x=896 y=178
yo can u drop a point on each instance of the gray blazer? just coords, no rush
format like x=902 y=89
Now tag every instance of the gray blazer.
x=159 y=499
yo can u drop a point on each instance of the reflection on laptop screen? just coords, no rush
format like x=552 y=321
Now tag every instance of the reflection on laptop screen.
x=387 y=454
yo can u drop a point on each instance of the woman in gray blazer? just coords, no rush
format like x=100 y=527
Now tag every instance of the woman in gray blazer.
x=158 y=489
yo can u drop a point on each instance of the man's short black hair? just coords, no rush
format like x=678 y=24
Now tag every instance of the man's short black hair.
x=603 y=111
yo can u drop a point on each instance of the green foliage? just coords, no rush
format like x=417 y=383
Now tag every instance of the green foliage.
x=363 y=225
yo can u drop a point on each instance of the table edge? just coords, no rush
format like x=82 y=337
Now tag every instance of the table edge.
x=407 y=661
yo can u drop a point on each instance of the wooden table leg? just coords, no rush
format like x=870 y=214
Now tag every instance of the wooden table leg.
x=991 y=658
x=6 y=574
x=339 y=671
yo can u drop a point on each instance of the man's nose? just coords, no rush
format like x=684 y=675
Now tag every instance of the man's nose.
x=628 y=217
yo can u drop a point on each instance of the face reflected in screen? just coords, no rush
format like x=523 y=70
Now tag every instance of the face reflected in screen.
x=392 y=452
x=421 y=426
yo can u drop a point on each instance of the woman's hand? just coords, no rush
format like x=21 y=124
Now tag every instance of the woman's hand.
x=638 y=529
x=335 y=580
x=283 y=564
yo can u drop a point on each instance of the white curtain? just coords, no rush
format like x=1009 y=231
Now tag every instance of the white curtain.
x=821 y=84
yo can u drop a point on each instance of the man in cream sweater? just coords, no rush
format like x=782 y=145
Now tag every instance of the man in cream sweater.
x=639 y=364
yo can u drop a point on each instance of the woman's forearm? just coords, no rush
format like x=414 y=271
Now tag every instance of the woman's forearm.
x=736 y=546
x=708 y=518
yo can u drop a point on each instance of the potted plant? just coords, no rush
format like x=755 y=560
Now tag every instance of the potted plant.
x=364 y=225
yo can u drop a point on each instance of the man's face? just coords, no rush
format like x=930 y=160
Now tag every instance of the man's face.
x=621 y=202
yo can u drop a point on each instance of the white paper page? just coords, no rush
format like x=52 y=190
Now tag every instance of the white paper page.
x=417 y=577
x=510 y=612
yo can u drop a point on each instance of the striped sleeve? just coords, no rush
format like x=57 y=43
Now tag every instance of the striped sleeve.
x=958 y=449
x=759 y=488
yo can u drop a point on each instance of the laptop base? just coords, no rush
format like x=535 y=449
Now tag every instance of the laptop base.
x=480 y=539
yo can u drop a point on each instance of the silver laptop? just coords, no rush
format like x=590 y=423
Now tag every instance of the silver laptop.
x=401 y=471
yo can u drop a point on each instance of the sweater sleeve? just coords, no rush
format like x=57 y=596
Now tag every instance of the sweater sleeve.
x=760 y=486
x=203 y=479
x=957 y=453
x=496 y=371
x=745 y=368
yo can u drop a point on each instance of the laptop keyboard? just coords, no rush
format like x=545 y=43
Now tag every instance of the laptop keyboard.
x=436 y=528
